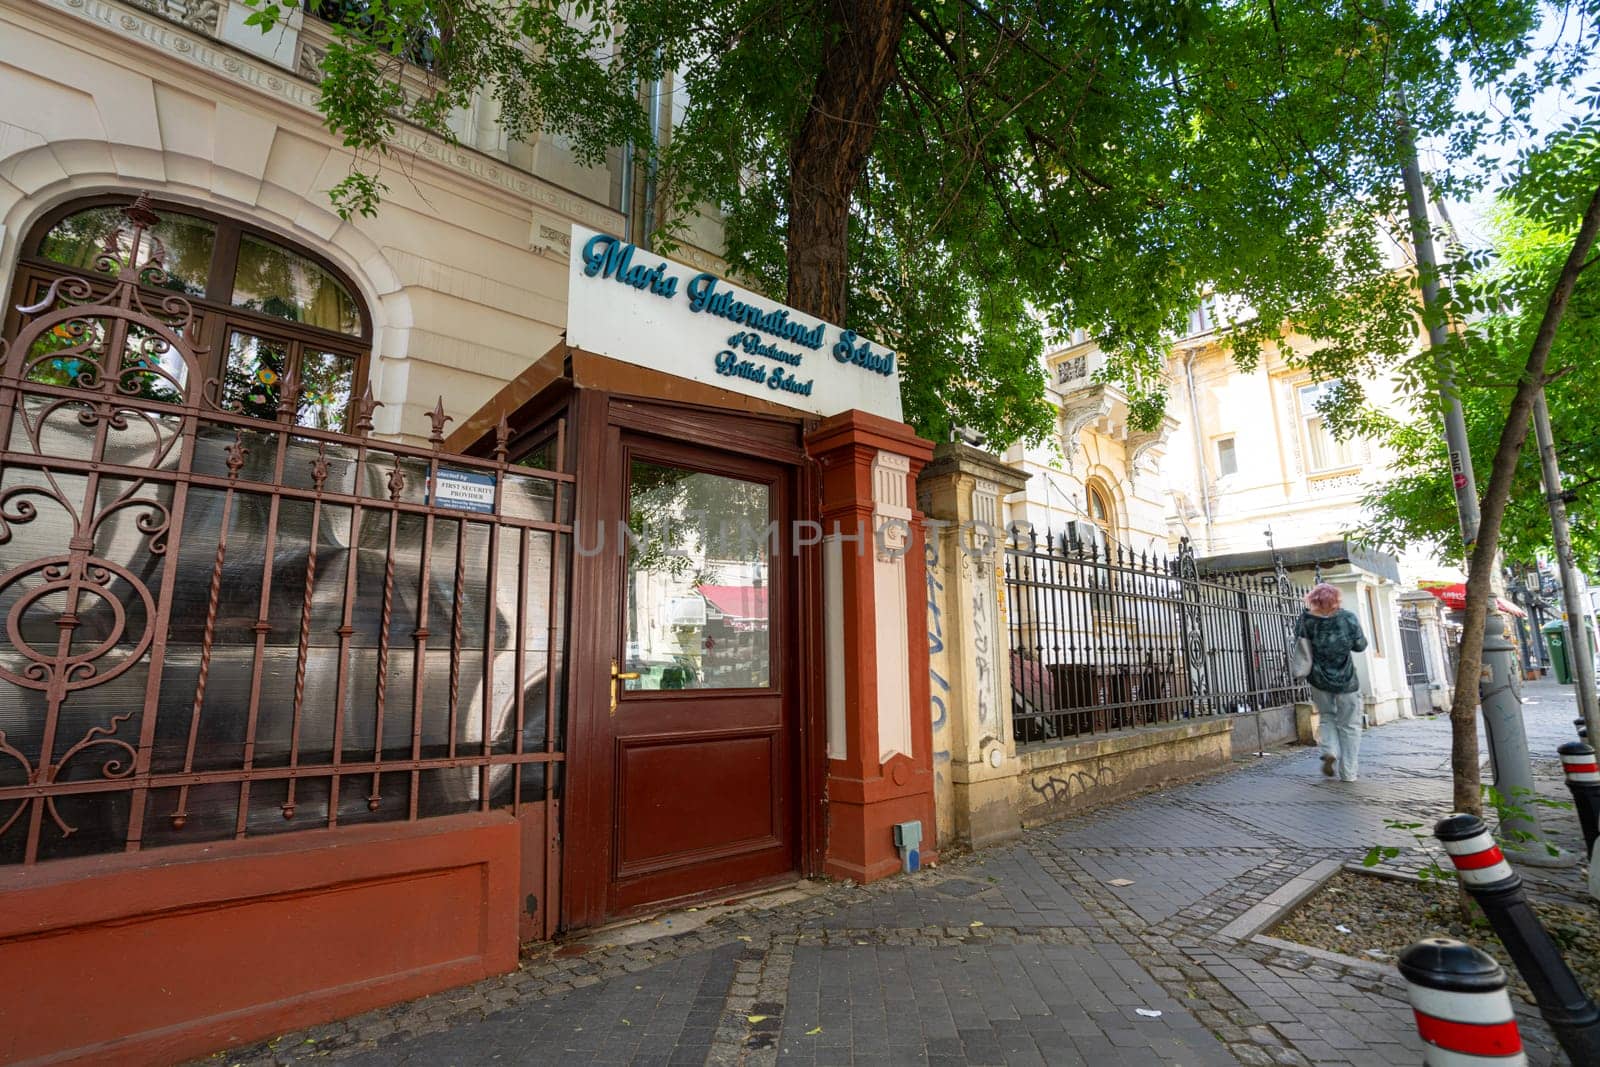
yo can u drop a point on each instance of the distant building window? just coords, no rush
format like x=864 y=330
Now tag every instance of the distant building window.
x=1203 y=319
x=1325 y=451
x=1070 y=370
x=1227 y=457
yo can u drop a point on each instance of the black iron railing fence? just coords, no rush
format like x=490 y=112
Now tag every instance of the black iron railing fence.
x=1411 y=646
x=1105 y=639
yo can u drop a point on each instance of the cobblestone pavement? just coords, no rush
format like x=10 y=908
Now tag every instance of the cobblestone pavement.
x=1022 y=954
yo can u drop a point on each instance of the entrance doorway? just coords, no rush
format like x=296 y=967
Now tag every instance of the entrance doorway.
x=690 y=722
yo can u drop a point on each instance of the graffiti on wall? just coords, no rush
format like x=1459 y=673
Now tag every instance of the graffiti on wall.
x=1057 y=784
x=939 y=690
x=982 y=629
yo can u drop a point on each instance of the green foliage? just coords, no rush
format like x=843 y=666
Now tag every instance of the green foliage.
x=1507 y=810
x=1430 y=870
x=1515 y=809
x=1505 y=293
x=1380 y=853
x=1034 y=166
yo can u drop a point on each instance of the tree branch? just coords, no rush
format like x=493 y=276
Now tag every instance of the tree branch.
x=1503 y=473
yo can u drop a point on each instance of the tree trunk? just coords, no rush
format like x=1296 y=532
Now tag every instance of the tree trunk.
x=1463 y=708
x=831 y=149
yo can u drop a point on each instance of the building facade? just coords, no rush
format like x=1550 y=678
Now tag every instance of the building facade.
x=461 y=277
x=1096 y=478
x=347 y=594
x=1243 y=470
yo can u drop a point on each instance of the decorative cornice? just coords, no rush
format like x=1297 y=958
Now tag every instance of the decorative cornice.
x=201 y=15
x=697 y=257
x=954 y=457
x=1144 y=444
x=301 y=93
x=1078 y=416
x=1328 y=484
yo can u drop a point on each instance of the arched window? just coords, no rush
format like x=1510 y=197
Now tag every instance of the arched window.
x=1100 y=512
x=263 y=308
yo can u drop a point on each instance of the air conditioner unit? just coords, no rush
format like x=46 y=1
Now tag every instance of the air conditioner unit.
x=1082 y=534
x=686 y=611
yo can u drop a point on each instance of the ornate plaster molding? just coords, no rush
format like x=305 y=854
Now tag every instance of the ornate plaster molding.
x=550 y=239
x=1291 y=419
x=985 y=514
x=201 y=15
x=1077 y=417
x=299 y=91
x=890 y=504
x=1146 y=446
x=1327 y=485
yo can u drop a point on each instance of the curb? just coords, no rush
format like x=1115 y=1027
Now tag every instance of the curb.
x=1349 y=963
x=1280 y=902
x=1379 y=871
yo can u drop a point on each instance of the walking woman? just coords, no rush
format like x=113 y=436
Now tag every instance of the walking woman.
x=1333 y=635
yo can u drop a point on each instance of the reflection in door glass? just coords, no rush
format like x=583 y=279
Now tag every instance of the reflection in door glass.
x=696 y=613
x=255 y=366
x=327 y=380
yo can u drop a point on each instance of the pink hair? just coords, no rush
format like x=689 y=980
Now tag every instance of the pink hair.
x=1323 y=599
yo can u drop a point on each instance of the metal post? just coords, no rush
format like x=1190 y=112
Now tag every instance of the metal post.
x=1455 y=423
x=1464 y=1014
x=1508 y=749
x=1484 y=873
x=1579 y=652
x=1252 y=680
x=1583 y=780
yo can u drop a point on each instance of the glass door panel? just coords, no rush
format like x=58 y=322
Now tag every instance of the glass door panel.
x=253 y=372
x=696 y=613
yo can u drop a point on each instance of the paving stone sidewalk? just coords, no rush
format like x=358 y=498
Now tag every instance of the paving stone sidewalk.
x=1024 y=954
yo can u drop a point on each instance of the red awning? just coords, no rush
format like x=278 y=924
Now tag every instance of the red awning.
x=737 y=601
x=1455 y=598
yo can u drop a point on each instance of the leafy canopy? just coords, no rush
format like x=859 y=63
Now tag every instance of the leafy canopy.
x=1033 y=165
x=1501 y=295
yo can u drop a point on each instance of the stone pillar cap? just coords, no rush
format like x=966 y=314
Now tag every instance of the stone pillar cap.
x=955 y=457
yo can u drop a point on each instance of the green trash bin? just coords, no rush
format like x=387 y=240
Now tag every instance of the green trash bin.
x=1555 y=637
x=1560 y=661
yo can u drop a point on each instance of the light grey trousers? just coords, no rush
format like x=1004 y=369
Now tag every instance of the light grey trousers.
x=1341 y=729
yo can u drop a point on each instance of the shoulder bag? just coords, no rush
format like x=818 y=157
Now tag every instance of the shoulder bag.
x=1300 y=659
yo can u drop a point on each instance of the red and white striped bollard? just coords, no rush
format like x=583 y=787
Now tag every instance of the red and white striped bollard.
x=1490 y=880
x=1583 y=782
x=1463 y=1012
x=1475 y=855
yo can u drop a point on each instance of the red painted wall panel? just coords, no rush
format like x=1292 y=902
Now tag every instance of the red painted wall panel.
x=153 y=957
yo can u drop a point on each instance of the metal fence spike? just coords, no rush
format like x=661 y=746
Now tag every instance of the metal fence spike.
x=438 y=418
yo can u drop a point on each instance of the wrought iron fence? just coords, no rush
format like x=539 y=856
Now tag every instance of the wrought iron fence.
x=1411 y=646
x=1103 y=639
x=1416 y=660
x=218 y=626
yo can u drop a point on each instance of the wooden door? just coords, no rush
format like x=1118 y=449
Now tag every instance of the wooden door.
x=698 y=731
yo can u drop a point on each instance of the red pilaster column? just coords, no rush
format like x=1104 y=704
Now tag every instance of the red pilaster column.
x=875 y=644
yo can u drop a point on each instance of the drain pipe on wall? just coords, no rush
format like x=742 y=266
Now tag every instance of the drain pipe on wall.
x=627 y=192
x=652 y=167
x=1199 y=441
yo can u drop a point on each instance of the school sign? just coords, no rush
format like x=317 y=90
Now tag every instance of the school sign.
x=630 y=305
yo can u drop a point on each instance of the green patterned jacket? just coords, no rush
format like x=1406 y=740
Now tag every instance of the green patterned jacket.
x=1333 y=638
